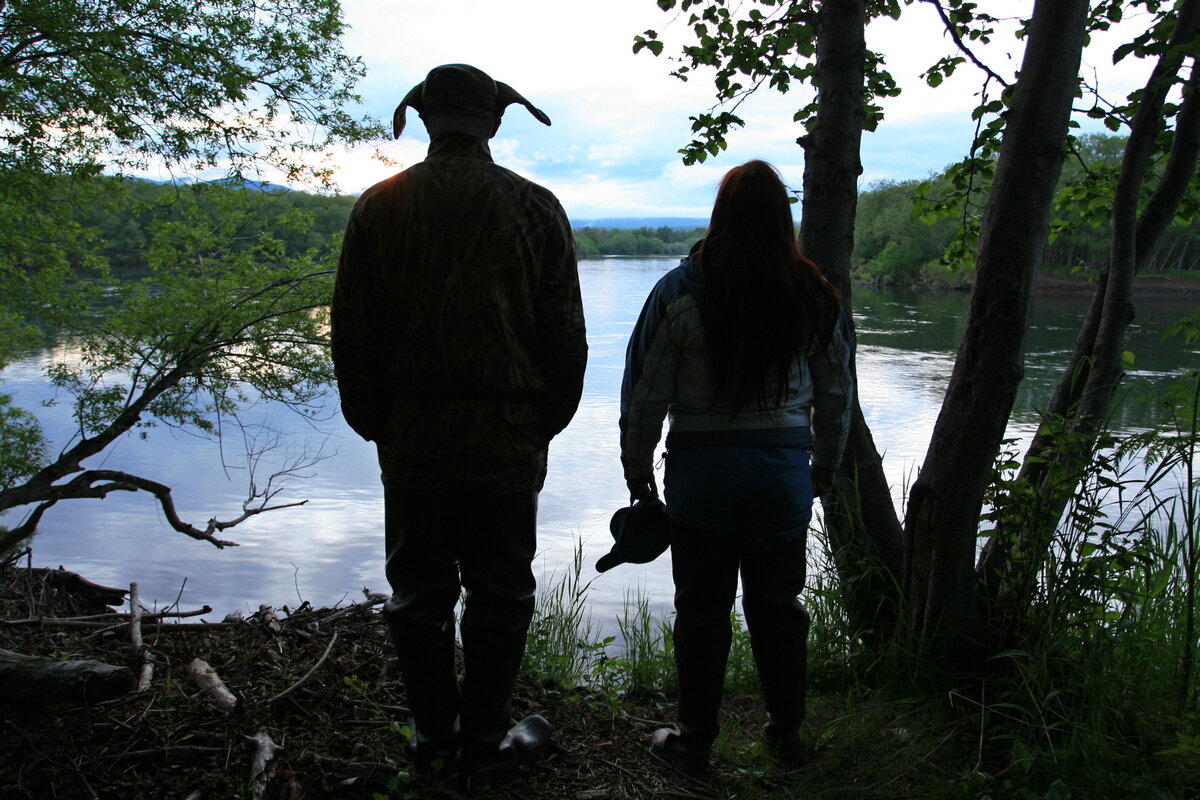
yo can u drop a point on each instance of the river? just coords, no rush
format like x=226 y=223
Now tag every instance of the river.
x=328 y=550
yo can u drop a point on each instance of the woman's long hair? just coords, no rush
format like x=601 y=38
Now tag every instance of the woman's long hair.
x=764 y=304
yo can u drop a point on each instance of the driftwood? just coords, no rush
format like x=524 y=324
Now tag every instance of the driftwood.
x=210 y=682
x=146 y=677
x=115 y=619
x=135 y=618
x=270 y=619
x=261 y=766
x=146 y=674
x=76 y=584
x=32 y=679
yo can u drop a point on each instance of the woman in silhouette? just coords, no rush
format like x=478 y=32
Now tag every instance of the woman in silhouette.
x=745 y=348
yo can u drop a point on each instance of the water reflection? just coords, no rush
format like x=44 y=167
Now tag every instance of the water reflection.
x=331 y=548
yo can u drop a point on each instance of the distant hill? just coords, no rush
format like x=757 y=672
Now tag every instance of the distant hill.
x=629 y=223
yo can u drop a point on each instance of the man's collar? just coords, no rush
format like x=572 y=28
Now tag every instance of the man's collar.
x=458 y=146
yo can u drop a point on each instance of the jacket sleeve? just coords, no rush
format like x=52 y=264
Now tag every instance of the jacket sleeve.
x=561 y=333
x=833 y=395
x=648 y=387
x=353 y=341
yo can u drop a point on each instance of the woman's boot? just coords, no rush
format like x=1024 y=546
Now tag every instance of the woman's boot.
x=778 y=625
x=704 y=567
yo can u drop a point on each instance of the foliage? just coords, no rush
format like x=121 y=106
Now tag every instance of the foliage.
x=228 y=312
x=565 y=645
x=661 y=241
x=889 y=246
x=1081 y=234
x=751 y=45
x=223 y=296
x=138 y=83
x=22 y=449
x=560 y=644
x=238 y=86
x=115 y=220
x=899 y=240
x=647 y=660
x=223 y=317
x=1104 y=662
x=119 y=228
x=1085 y=197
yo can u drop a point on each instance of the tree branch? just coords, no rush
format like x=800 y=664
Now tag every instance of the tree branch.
x=1177 y=176
x=961 y=45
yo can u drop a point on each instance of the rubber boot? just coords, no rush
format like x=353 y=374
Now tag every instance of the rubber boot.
x=526 y=741
x=780 y=655
x=704 y=568
x=425 y=651
x=493 y=634
x=684 y=749
x=701 y=652
x=783 y=741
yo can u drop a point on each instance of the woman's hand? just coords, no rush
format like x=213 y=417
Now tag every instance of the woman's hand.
x=641 y=488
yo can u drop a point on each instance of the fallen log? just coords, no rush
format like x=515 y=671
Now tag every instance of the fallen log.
x=34 y=679
x=210 y=682
x=76 y=584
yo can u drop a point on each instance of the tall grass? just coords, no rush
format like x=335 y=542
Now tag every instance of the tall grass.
x=646 y=660
x=561 y=645
x=565 y=645
x=1101 y=696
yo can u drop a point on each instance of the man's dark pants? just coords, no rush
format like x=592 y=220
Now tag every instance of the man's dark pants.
x=441 y=542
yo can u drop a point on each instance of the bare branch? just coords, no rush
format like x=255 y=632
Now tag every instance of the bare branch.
x=961 y=45
x=126 y=481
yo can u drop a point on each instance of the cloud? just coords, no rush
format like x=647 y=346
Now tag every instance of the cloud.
x=619 y=118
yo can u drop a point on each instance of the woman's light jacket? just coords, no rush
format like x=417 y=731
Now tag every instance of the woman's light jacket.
x=668 y=375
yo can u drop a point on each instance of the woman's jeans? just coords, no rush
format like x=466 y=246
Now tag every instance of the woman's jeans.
x=705 y=566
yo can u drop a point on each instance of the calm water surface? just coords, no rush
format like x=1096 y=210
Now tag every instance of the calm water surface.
x=330 y=549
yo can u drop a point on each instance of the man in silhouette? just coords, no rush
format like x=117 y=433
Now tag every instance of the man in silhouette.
x=459 y=347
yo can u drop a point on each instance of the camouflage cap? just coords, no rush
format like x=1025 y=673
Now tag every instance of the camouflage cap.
x=459 y=97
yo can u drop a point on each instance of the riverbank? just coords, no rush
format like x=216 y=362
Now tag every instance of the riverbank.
x=321 y=686
x=1145 y=287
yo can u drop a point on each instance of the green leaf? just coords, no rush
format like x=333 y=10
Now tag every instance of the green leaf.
x=1122 y=51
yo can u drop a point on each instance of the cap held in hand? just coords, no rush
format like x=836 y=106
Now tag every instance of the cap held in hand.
x=640 y=534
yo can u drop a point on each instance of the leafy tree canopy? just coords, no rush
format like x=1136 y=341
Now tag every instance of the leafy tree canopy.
x=137 y=83
x=170 y=85
x=230 y=308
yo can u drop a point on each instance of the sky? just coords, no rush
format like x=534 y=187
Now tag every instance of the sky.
x=619 y=118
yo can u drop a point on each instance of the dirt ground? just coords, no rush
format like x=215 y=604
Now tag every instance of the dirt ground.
x=321 y=684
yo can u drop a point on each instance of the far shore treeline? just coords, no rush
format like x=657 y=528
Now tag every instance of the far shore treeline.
x=897 y=241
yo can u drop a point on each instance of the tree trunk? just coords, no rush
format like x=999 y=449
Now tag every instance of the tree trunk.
x=1077 y=410
x=943 y=621
x=861 y=522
